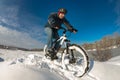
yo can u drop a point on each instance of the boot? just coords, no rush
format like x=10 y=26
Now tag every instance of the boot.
x=49 y=53
x=54 y=56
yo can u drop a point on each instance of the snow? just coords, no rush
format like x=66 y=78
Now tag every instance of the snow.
x=104 y=71
x=91 y=50
x=31 y=65
x=115 y=61
x=20 y=72
x=13 y=68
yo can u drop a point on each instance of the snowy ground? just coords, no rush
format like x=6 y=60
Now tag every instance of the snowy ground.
x=17 y=65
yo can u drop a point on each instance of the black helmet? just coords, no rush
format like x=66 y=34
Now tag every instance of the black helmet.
x=63 y=10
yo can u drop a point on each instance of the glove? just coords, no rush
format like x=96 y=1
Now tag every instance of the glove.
x=74 y=30
x=56 y=27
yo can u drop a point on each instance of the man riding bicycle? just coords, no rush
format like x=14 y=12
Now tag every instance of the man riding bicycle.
x=55 y=20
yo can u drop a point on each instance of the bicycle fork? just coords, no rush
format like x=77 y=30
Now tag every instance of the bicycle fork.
x=71 y=54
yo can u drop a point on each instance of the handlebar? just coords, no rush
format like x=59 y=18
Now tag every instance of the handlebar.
x=64 y=30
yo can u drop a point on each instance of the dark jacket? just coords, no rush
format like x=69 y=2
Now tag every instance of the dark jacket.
x=54 y=20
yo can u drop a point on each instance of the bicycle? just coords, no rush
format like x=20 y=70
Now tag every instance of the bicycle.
x=72 y=53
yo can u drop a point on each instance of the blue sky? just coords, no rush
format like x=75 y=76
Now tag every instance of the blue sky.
x=94 y=19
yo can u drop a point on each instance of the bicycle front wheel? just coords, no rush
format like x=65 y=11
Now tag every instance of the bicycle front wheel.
x=77 y=58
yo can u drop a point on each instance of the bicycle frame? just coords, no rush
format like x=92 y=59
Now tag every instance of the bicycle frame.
x=62 y=40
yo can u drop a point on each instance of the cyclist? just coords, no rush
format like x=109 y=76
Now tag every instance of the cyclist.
x=55 y=20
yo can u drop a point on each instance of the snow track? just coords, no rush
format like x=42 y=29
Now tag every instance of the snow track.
x=34 y=63
x=53 y=66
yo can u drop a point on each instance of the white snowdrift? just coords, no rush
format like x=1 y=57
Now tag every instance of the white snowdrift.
x=24 y=65
x=114 y=61
x=20 y=72
x=105 y=71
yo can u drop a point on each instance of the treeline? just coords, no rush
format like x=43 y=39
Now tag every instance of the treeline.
x=102 y=49
x=18 y=48
x=12 y=48
x=106 y=42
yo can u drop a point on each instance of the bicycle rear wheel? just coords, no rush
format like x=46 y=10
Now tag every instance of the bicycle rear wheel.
x=80 y=59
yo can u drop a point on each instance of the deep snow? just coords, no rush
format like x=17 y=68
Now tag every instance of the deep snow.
x=26 y=65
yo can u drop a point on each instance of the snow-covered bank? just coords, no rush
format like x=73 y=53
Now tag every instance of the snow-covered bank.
x=105 y=71
x=20 y=72
x=114 y=61
x=27 y=65
x=13 y=54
